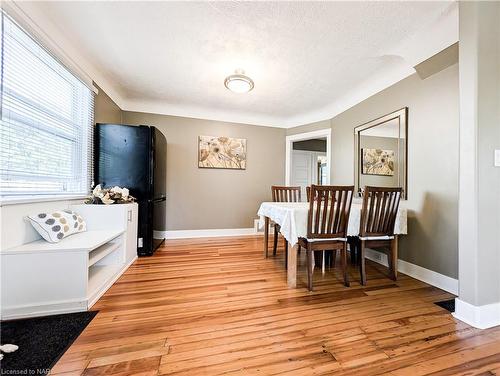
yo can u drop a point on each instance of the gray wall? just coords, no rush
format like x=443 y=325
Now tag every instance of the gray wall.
x=105 y=110
x=211 y=198
x=433 y=121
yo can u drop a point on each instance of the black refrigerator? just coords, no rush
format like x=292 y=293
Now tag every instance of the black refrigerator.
x=135 y=157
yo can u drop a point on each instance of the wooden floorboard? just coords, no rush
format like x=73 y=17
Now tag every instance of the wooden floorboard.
x=216 y=306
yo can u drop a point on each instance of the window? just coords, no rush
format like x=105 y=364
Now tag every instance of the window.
x=46 y=120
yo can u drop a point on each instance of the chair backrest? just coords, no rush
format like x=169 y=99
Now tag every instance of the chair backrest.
x=308 y=193
x=379 y=211
x=285 y=194
x=329 y=209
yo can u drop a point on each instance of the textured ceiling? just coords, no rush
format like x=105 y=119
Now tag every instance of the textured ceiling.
x=309 y=60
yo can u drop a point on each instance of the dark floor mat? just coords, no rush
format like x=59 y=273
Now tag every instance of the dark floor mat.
x=41 y=340
x=449 y=305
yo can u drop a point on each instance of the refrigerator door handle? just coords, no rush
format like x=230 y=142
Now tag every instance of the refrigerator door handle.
x=159 y=199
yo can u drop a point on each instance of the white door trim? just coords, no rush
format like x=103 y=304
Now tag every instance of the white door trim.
x=307 y=136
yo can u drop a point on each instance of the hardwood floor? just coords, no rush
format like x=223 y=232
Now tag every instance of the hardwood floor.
x=216 y=306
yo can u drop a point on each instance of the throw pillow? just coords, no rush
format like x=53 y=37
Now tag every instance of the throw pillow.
x=55 y=225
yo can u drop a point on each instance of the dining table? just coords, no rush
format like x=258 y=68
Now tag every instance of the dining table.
x=292 y=219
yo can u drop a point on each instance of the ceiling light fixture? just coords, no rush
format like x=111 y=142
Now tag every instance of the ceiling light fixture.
x=238 y=82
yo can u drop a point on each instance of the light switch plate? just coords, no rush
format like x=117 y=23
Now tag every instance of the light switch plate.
x=497 y=158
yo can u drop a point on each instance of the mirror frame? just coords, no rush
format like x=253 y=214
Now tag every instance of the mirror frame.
x=402 y=116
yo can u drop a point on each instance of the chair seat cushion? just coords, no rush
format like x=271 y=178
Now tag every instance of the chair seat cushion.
x=326 y=240
x=376 y=237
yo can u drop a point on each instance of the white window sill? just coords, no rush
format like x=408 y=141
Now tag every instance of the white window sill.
x=14 y=200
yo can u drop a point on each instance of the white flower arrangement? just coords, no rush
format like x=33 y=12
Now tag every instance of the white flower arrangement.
x=7 y=348
x=107 y=196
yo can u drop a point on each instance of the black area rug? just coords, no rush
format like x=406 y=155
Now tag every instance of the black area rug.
x=41 y=340
x=449 y=305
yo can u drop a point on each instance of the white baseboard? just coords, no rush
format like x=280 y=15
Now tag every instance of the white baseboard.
x=481 y=317
x=422 y=274
x=46 y=309
x=210 y=233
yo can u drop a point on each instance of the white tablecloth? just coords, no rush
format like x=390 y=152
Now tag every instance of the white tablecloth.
x=292 y=217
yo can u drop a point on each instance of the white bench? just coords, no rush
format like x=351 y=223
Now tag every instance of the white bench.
x=40 y=278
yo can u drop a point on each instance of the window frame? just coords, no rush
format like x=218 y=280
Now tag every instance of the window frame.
x=79 y=173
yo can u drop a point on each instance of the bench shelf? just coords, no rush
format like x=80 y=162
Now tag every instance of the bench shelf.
x=41 y=278
x=104 y=250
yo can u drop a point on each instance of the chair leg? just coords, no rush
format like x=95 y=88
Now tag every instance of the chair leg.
x=362 y=267
x=393 y=260
x=328 y=258
x=310 y=269
x=352 y=248
x=317 y=258
x=275 y=240
x=344 y=265
x=333 y=258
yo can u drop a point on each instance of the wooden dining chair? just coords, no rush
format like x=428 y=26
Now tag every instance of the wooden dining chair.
x=329 y=209
x=283 y=194
x=330 y=255
x=378 y=216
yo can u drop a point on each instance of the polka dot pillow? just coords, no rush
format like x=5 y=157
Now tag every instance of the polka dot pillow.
x=56 y=225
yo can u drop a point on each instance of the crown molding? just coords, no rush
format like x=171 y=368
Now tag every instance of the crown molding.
x=199 y=112
x=368 y=89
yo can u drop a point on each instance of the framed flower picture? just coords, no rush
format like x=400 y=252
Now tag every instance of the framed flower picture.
x=222 y=152
x=378 y=162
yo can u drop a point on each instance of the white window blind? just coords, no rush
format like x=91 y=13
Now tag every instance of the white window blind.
x=47 y=117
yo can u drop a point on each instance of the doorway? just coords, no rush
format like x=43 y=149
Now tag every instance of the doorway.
x=308 y=157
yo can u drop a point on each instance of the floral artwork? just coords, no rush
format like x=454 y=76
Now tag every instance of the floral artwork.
x=107 y=196
x=377 y=162
x=222 y=152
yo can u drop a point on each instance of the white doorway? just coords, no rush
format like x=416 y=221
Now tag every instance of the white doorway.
x=308 y=157
x=308 y=167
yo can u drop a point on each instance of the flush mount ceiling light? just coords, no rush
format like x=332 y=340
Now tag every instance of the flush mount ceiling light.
x=238 y=82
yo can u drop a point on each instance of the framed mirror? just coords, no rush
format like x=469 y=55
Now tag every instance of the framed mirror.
x=381 y=152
